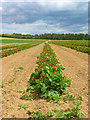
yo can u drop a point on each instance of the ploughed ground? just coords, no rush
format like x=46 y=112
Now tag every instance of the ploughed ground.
x=15 y=80
x=76 y=69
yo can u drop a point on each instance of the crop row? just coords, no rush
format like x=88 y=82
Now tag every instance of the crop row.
x=47 y=80
x=77 y=45
x=5 y=53
x=13 y=46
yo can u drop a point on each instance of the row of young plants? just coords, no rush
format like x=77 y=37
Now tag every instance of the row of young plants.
x=12 y=46
x=5 y=53
x=48 y=82
x=82 y=46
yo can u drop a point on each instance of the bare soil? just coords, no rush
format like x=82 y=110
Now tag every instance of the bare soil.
x=15 y=79
x=76 y=69
x=6 y=44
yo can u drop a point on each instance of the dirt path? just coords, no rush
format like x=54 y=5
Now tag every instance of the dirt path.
x=10 y=71
x=76 y=64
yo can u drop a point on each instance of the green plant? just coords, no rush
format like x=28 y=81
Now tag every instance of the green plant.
x=12 y=108
x=4 y=96
x=2 y=101
x=48 y=81
x=24 y=107
x=39 y=115
x=13 y=49
x=13 y=116
x=19 y=91
x=55 y=110
x=2 y=85
x=21 y=68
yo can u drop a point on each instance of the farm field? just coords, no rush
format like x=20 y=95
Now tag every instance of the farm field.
x=17 y=70
x=79 y=45
x=11 y=48
x=21 y=40
x=5 y=38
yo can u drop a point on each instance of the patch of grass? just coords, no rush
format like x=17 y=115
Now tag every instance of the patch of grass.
x=21 y=41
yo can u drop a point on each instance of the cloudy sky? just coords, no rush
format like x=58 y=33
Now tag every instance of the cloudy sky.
x=44 y=16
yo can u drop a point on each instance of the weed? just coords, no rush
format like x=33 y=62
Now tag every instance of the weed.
x=20 y=107
x=2 y=85
x=12 y=108
x=2 y=101
x=19 y=91
x=21 y=68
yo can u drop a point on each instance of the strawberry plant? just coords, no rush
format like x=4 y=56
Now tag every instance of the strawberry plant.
x=10 y=51
x=79 y=45
x=47 y=80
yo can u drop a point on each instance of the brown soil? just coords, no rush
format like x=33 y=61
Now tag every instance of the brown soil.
x=10 y=44
x=76 y=68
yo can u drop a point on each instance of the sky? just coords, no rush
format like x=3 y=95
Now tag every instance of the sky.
x=44 y=16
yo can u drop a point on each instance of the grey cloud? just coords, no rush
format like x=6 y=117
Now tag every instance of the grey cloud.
x=32 y=12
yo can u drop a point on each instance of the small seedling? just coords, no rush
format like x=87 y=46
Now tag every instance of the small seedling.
x=24 y=107
x=21 y=68
x=11 y=89
x=19 y=91
x=55 y=110
x=12 y=63
x=13 y=116
x=12 y=108
x=57 y=104
x=10 y=81
x=2 y=101
x=2 y=85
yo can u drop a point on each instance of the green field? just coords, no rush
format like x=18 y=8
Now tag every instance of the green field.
x=21 y=41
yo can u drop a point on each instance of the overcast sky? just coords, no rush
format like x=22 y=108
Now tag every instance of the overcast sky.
x=44 y=16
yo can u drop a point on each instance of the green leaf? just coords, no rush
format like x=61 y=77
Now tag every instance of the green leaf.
x=43 y=89
x=62 y=67
x=30 y=88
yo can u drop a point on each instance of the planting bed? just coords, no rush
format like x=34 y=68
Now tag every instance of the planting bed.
x=8 y=50
x=79 y=45
x=47 y=86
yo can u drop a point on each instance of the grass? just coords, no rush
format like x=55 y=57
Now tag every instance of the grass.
x=21 y=41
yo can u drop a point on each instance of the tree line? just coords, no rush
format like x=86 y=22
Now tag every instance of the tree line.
x=51 y=36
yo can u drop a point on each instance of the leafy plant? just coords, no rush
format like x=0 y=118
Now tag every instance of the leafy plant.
x=21 y=68
x=48 y=81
